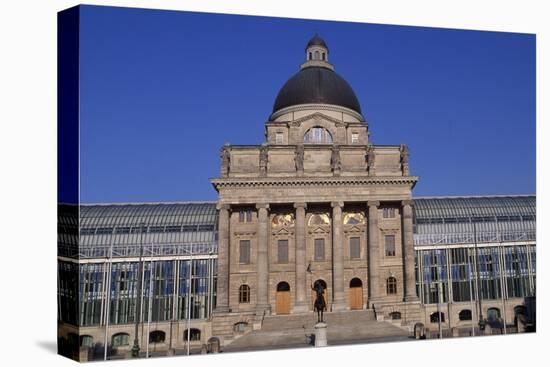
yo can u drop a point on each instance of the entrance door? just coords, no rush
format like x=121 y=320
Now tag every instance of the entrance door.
x=282 y=305
x=356 y=294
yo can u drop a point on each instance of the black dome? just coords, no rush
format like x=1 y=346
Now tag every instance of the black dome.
x=316 y=85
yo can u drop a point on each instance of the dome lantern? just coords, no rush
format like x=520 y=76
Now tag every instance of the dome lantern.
x=317 y=54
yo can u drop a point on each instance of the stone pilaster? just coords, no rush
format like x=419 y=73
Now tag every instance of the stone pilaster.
x=408 y=251
x=262 y=303
x=300 y=304
x=374 y=253
x=222 y=290
x=339 y=298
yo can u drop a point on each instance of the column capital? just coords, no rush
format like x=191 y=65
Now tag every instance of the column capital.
x=262 y=206
x=375 y=203
x=300 y=205
x=335 y=204
x=407 y=203
x=223 y=206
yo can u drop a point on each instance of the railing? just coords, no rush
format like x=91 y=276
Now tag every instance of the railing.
x=133 y=250
x=468 y=238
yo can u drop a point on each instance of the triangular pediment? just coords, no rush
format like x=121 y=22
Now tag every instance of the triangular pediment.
x=318 y=230
x=354 y=229
x=282 y=231
x=317 y=116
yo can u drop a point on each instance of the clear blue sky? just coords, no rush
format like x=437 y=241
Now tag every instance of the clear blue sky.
x=162 y=91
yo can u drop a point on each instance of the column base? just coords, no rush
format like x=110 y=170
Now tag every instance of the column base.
x=339 y=306
x=263 y=309
x=411 y=299
x=300 y=308
x=220 y=310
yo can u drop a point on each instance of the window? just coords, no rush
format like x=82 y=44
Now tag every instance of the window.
x=157 y=336
x=240 y=327
x=245 y=216
x=172 y=228
x=324 y=56
x=86 y=341
x=282 y=251
x=244 y=251
x=354 y=138
x=318 y=135
x=493 y=314
x=354 y=248
x=279 y=138
x=434 y=317
x=244 y=294
x=104 y=230
x=389 y=213
x=465 y=315
x=120 y=340
x=316 y=55
x=156 y=229
x=195 y=335
x=395 y=315
x=310 y=56
x=391 y=285
x=389 y=241
x=122 y=230
x=319 y=249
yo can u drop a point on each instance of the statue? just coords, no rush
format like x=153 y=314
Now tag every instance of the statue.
x=263 y=160
x=370 y=159
x=335 y=158
x=299 y=158
x=320 y=305
x=404 y=159
x=225 y=156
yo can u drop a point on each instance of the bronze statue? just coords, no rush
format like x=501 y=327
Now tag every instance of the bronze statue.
x=225 y=156
x=320 y=305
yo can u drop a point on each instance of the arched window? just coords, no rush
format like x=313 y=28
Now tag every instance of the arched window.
x=244 y=294
x=317 y=135
x=195 y=335
x=157 y=336
x=283 y=287
x=493 y=314
x=465 y=315
x=310 y=56
x=434 y=317
x=86 y=341
x=317 y=55
x=354 y=218
x=355 y=283
x=395 y=315
x=391 y=285
x=324 y=57
x=120 y=340
x=318 y=219
x=240 y=327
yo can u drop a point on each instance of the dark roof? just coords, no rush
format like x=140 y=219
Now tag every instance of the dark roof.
x=316 y=85
x=317 y=41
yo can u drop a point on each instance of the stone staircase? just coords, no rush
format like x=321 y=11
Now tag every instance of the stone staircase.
x=293 y=330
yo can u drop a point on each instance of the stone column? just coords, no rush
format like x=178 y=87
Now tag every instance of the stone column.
x=222 y=289
x=374 y=253
x=262 y=303
x=300 y=304
x=338 y=291
x=408 y=251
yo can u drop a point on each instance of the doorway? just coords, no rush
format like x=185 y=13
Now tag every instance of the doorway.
x=282 y=305
x=356 y=294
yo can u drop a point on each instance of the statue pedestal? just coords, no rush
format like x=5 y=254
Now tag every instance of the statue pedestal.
x=320 y=334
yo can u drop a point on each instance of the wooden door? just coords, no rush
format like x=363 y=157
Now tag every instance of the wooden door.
x=282 y=306
x=356 y=298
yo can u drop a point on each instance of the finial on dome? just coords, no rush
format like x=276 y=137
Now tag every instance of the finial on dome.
x=317 y=53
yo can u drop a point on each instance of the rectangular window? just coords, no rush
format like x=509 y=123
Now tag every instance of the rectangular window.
x=389 y=212
x=319 y=249
x=279 y=138
x=390 y=245
x=245 y=216
x=282 y=251
x=244 y=251
x=354 y=138
x=354 y=248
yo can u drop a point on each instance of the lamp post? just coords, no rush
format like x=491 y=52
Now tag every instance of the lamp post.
x=135 y=347
x=482 y=321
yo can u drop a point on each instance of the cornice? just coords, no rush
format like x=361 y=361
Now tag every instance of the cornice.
x=314 y=106
x=312 y=181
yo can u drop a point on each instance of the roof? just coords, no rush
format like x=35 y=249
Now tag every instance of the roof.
x=317 y=41
x=316 y=85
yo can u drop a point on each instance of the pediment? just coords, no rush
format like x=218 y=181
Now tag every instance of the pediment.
x=317 y=117
x=354 y=229
x=282 y=231
x=318 y=230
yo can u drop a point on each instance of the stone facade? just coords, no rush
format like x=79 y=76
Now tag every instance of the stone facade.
x=316 y=201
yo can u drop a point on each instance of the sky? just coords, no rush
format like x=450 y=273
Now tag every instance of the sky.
x=162 y=91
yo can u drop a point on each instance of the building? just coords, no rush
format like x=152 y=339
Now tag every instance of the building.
x=315 y=204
